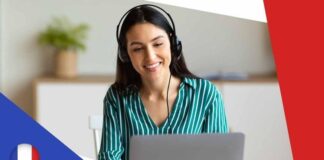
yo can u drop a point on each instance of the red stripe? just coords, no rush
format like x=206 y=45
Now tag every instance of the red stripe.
x=35 y=155
x=297 y=33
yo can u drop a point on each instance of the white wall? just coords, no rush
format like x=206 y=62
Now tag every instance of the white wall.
x=256 y=110
x=211 y=42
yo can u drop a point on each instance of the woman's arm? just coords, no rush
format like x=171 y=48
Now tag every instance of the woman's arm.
x=215 y=117
x=111 y=146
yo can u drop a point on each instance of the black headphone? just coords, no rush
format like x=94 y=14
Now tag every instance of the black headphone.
x=176 y=46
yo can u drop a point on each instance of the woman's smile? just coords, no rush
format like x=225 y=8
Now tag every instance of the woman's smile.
x=153 y=66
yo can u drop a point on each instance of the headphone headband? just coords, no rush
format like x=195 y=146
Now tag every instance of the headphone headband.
x=149 y=5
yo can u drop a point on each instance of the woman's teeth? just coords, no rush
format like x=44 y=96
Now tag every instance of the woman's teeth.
x=152 y=65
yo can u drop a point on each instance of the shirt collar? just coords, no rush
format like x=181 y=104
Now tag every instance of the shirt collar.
x=189 y=81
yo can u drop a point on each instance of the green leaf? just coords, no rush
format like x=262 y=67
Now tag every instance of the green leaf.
x=62 y=34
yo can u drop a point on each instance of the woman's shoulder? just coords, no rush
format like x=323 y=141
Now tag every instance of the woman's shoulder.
x=114 y=91
x=111 y=93
x=201 y=84
x=205 y=90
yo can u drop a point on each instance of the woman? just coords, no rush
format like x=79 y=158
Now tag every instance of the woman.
x=154 y=92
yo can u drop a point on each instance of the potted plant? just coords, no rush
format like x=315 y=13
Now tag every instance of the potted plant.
x=67 y=40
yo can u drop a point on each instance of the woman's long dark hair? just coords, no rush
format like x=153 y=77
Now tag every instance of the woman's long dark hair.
x=126 y=75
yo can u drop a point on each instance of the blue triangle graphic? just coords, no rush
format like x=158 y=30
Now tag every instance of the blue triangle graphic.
x=17 y=127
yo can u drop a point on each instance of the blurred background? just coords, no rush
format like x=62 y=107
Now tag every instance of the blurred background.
x=230 y=51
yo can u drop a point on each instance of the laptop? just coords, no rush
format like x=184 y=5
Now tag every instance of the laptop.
x=187 y=147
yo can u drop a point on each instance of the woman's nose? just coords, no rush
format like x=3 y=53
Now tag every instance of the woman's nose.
x=150 y=53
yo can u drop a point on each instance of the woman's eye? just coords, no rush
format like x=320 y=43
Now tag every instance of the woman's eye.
x=137 y=49
x=158 y=44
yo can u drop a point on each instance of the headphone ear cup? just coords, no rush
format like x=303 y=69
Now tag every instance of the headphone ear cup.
x=177 y=47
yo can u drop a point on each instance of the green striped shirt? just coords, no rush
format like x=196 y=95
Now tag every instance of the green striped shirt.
x=198 y=108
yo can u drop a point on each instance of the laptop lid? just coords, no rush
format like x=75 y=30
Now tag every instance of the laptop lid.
x=187 y=147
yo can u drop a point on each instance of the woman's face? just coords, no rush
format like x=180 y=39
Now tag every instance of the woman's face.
x=148 y=47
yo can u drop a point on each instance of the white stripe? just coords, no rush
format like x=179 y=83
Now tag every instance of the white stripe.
x=247 y=9
x=24 y=152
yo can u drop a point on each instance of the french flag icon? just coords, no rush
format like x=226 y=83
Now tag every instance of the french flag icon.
x=25 y=152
